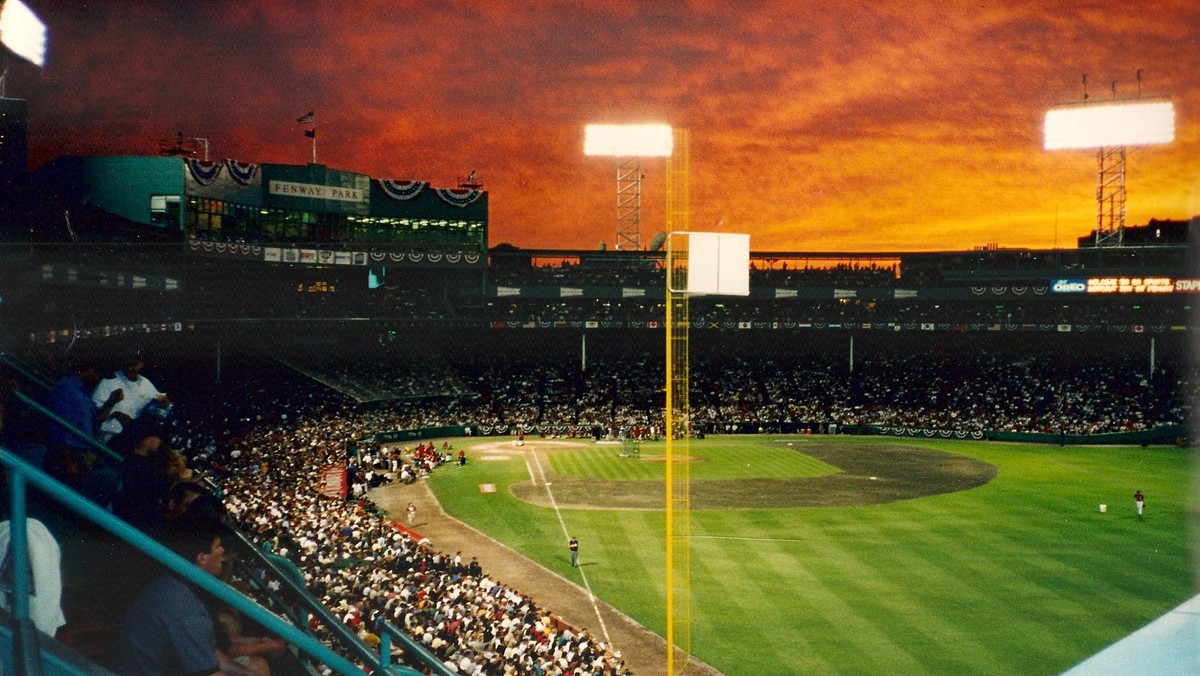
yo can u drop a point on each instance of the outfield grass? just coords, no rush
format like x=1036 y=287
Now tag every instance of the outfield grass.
x=1020 y=576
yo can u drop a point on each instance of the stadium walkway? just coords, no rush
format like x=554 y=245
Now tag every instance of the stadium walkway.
x=644 y=652
x=1168 y=645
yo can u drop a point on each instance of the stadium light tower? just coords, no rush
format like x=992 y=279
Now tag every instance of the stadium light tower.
x=628 y=143
x=1109 y=128
x=22 y=35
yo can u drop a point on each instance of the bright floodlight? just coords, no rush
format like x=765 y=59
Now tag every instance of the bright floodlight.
x=23 y=32
x=1110 y=125
x=628 y=140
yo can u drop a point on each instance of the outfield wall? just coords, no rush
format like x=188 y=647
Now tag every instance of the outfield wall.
x=1164 y=435
x=1167 y=434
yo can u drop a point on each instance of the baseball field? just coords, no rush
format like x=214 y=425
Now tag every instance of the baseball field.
x=856 y=555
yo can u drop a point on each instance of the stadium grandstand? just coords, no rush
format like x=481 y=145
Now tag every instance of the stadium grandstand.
x=323 y=334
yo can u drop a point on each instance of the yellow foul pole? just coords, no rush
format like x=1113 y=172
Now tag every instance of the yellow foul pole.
x=677 y=413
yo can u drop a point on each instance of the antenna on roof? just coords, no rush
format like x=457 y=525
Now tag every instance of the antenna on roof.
x=656 y=243
x=470 y=182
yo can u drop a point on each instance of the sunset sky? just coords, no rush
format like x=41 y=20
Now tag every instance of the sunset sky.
x=814 y=126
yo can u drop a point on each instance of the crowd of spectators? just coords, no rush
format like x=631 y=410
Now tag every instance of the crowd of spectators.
x=732 y=312
x=169 y=310
x=366 y=569
x=266 y=434
x=970 y=388
x=264 y=439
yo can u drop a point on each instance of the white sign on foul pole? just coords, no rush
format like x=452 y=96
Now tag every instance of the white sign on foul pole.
x=718 y=264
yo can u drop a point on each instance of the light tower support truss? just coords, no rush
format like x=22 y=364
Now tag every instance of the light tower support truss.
x=628 y=143
x=629 y=205
x=1110 y=197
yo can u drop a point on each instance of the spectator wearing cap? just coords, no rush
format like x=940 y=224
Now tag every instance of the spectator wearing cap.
x=137 y=394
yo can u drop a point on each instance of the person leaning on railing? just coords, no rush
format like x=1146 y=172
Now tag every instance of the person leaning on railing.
x=169 y=630
x=69 y=456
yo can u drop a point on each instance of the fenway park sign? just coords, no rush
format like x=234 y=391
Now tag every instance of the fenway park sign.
x=317 y=191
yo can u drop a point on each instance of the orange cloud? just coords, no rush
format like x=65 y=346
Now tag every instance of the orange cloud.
x=878 y=126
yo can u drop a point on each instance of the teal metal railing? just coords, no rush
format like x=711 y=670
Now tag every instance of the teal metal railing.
x=389 y=632
x=344 y=635
x=21 y=473
x=26 y=654
x=36 y=406
x=20 y=365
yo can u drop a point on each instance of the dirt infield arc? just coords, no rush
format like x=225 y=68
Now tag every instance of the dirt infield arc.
x=870 y=474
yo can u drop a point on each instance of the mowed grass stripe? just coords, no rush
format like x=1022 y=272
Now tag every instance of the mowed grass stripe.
x=620 y=565
x=1056 y=582
x=981 y=605
x=1024 y=566
x=842 y=574
x=790 y=609
x=921 y=594
x=814 y=597
x=722 y=458
x=893 y=594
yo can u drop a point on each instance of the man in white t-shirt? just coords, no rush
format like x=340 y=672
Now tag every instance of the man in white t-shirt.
x=45 y=574
x=137 y=393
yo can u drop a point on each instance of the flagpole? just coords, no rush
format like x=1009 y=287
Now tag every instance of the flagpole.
x=310 y=118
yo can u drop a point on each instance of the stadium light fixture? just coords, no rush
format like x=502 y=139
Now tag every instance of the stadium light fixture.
x=22 y=32
x=1108 y=128
x=628 y=140
x=1108 y=125
x=629 y=143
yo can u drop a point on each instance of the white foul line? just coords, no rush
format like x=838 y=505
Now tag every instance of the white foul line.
x=751 y=539
x=567 y=534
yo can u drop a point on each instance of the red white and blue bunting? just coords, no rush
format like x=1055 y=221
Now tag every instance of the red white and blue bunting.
x=1005 y=290
x=418 y=257
x=899 y=431
x=577 y=431
x=229 y=248
x=458 y=198
x=242 y=173
x=203 y=172
x=402 y=190
x=277 y=254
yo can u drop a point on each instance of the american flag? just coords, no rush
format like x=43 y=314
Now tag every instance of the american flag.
x=307 y=118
